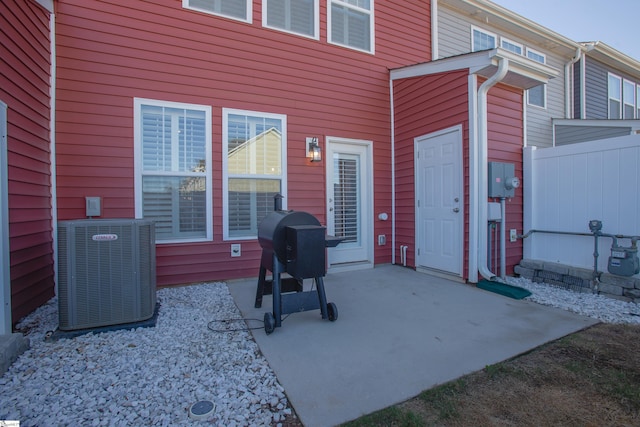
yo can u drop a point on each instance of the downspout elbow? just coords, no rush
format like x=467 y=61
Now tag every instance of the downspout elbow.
x=569 y=87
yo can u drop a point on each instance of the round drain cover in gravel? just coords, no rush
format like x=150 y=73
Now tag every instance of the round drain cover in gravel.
x=201 y=410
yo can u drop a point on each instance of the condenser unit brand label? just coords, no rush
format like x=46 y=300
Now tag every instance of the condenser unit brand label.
x=104 y=237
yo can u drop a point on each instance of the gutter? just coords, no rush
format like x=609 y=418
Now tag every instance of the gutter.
x=482 y=166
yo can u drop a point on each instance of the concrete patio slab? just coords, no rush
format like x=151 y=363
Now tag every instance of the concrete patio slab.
x=398 y=332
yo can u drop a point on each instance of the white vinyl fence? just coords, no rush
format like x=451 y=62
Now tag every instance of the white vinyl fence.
x=565 y=187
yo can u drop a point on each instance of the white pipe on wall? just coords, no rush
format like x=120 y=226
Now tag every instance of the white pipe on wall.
x=568 y=86
x=482 y=161
x=434 y=30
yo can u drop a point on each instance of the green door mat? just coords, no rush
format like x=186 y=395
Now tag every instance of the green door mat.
x=510 y=291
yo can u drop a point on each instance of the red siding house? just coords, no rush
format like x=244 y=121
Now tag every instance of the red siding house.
x=163 y=109
x=26 y=247
x=196 y=113
x=451 y=117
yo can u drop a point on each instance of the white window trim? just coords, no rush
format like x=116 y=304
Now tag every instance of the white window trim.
x=537 y=53
x=226 y=112
x=520 y=45
x=609 y=75
x=138 y=169
x=316 y=21
x=638 y=101
x=489 y=33
x=249 y=18
x=624 y=101
x=372 y=27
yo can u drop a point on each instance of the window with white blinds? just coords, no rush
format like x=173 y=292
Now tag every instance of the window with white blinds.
x=254 y=166
x=351 y=24
x=346 y=193
x=173 y=172
x=236 y=9
x=294 y=16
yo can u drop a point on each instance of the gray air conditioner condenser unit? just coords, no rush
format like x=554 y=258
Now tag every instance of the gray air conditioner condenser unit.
x=106 y=272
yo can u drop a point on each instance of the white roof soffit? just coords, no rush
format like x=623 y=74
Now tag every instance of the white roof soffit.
x=489 y=13
x=523 y=73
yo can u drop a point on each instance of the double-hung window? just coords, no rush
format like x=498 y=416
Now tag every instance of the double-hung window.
x=294 y=16
x=615 y=96
x=537 y=95
x=254 y=162
x=351 y=24
x=482 y=40
x=173 y=169
x=235 y=9
x=629 y=99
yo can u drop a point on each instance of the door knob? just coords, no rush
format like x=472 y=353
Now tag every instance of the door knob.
x=456 y=210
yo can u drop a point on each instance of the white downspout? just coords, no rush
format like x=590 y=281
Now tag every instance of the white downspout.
x=569 y=87
x=434 y=30
x=583 y=91
x=483 y=158
x=473 y=173
x=393 y=176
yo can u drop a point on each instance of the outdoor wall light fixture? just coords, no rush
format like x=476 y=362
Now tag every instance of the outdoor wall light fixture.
x=314 y=152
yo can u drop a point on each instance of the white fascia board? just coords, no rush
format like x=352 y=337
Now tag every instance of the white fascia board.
x=523 y=72
x=453 y=63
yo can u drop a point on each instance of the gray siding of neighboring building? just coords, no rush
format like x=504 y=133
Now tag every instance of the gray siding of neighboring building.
x=596 y=81
x=573 y=134
x=454 y=37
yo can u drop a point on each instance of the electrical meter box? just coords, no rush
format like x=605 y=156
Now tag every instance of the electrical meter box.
x=502 y=179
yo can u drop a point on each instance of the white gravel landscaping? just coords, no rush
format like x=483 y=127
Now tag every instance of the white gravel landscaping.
x=151 y=376
x=605 y=309
x=147 y=376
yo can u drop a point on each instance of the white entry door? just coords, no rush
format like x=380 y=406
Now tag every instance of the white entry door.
x=439 y=201
x=350 y=202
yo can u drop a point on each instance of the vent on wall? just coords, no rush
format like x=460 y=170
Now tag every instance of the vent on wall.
x=106 y=272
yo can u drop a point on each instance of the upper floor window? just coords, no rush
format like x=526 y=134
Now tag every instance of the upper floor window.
x=511 y=46
x=254 y=163
x=638 y=101
x=629 y=99
x=351 y=24
x=615 y=96
x=172 y=146
x=537 y=95
x=235 y=9
x=536 y=56
x=482 y=40
x=295 y=16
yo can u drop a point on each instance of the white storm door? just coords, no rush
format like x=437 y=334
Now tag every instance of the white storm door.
x=439 y=201
x=349 y=202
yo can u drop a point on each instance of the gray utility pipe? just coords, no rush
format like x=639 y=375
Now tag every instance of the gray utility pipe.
x=595 y=235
